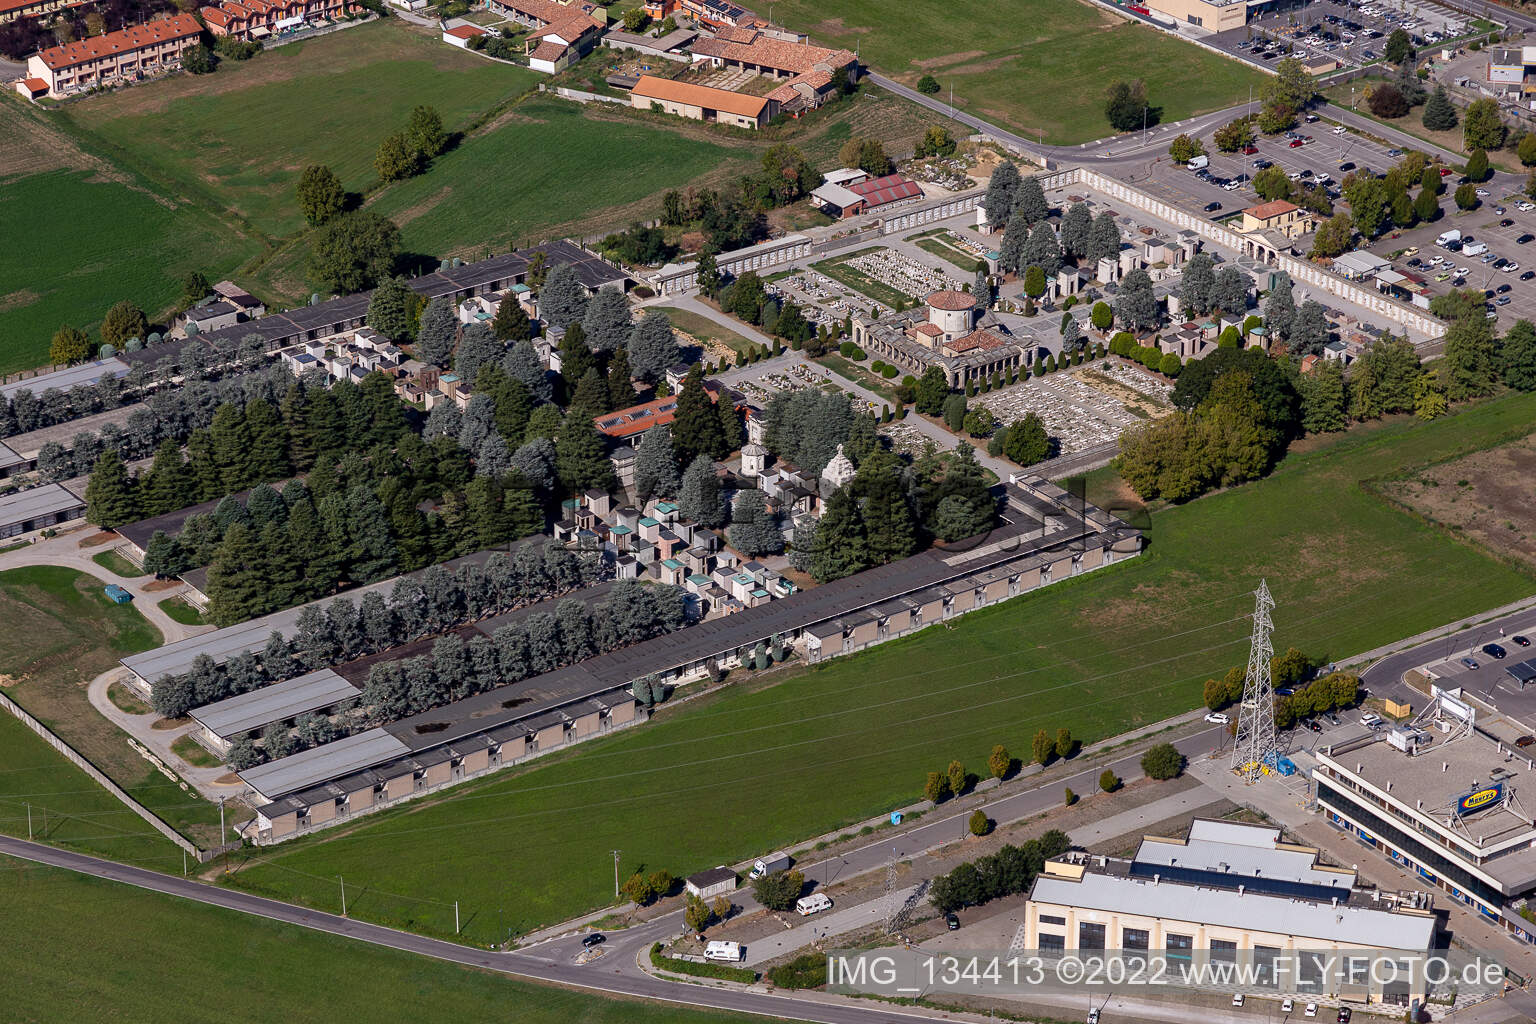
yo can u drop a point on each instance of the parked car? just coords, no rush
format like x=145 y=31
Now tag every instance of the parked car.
x=1528 y=275
x=1250 y=150
x=1525 y=238
x=1310 y=1010
x=1296 y=143
x=1520 y=641
x=595 y=939
x=1347 y=165
x=1284 y=691
x=1469 y=663
x=1287 y=1005
x=1212 y=207
x=1345 y=1013
x=1506 y=223
x=1503 y=288
x=1445 y=172
x=1313 y=725
x=1237 y=999
x=952 y=922
x=1525 y=741
x=1093 y=1016
x=1494 y=651
x=1332 y=718
x=1217 y=718
x=1502 y=300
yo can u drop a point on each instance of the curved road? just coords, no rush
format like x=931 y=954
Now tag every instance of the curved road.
x=616 y=972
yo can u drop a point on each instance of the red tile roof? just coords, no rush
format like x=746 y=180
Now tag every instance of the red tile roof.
x=650 y=87
x=778 y=54
x=7 y=6
x=952 y=301
x=128 y=40
x=889 y=189
x=547 y=11
x=1265 y=211
x=977 y=341
x=35 y=85
x=570 y=28
x=466 y=31
x=637 y=419
x=548 y=50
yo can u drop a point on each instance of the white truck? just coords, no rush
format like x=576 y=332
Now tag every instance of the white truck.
x=1475 y=249
x=771 y=863
x=1200 y=161
x=1447 y=237
x=729 y=952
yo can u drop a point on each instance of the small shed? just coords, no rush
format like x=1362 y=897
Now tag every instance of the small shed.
x=714 y=882
x=117 y=594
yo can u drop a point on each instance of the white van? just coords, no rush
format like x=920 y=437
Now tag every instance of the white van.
x=730 y=952
x=815 y=903
x=1446 y=237
x=1200 y=161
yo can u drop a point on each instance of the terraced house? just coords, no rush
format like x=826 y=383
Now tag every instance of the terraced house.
x=259 y=19
x=116 y=57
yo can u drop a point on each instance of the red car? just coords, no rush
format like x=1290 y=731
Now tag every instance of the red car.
x=1444 y=171
x=1250 y=150
x=1297 y=143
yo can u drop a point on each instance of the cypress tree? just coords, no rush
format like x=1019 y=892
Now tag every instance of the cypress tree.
x=621 y=385
x=168 y=485
x=581 y=457
x=110 y=497
x=268 y=437
x=841 y=547
x=696 y=430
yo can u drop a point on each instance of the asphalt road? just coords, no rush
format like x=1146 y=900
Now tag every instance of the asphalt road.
x=615 y=971
x=613 y=974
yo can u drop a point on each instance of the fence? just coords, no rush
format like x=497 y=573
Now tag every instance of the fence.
x=111 y=787
x=1300 y=271
x=584 y=97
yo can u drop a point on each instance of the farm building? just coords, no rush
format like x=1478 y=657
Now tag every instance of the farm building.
x=702 y=102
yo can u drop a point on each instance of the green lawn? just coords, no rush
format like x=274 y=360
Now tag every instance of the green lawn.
x=748 y=772
x=705 y=329
x=181 y=612
x=68 y=808
x=490 y=192
x=62 y=633
x=117 y=564
x=240 y=138
x=65 y=921
x=944 y=251
x=839 y=270
x=1046 y=71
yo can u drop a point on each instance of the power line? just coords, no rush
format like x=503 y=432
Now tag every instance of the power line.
x=1254 y=752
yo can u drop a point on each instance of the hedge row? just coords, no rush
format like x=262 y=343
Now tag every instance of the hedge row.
x=720 y=972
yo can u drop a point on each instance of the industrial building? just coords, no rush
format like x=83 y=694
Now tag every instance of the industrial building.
x=1233 y=893
x=1045 y=536
x=1441 y=797
x=225 y=722
x=38 y=508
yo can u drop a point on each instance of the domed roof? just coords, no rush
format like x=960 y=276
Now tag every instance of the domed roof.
x=952 y=300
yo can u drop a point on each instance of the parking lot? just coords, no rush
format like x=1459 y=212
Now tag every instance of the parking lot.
x=1351 y=33
x=1509 y=237
x=1325 y=154
x=1490 y=682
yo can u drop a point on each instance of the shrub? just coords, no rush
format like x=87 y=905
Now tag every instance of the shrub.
x=999 y=762
x=1162 y=762
x=979 y=823
x=1068 y=798
x=935 y=787
x=742 y=975
x=889 y=372
x=1109 y=781
x=806 y=971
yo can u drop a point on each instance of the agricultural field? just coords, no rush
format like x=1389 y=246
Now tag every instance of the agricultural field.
x=751 y=769
x=98 y=233
x=238 y=139
x=63 y=632
x=1045 y=72
x=70 y=919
